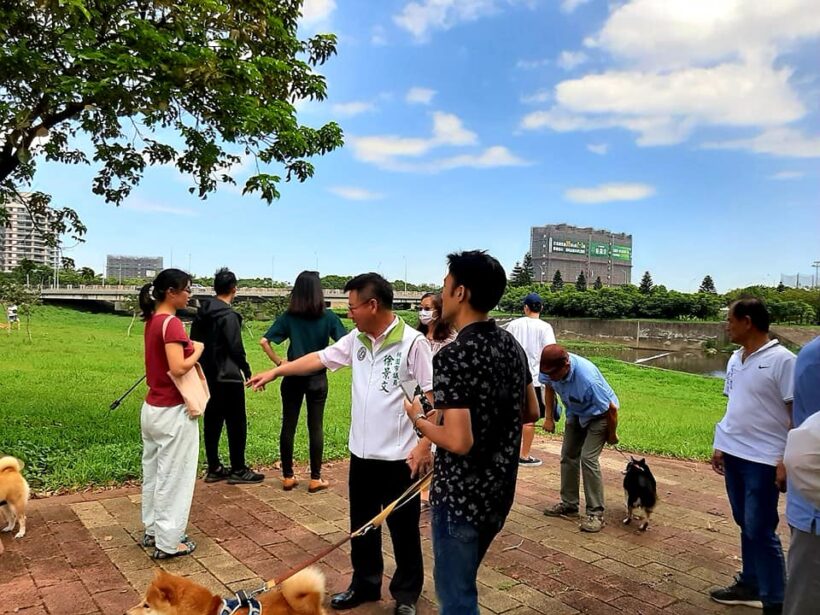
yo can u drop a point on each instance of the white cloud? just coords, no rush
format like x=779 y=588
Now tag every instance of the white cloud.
x=663 y=108
x=422 y=17
x=571 y=59
x=568 y=6
x=352 y=108
x=316 y=12
x=674 y=33
x=496 y=156
x=140 y=205
x=352 y=193
x=783 y=142
x=786 y=175
x=541 y=96
x=397 y=153
x=606 y=193
x=378 y=36
x=420 y=96
x=598 y=148
x=532 y=64
x=685 y=64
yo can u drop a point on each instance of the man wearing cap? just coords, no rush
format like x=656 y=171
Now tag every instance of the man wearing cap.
x=748 y=453
x=533 y=334
x=591 y=409
x=801 y=458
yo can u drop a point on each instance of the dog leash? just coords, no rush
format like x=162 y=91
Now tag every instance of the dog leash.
x=411 y=492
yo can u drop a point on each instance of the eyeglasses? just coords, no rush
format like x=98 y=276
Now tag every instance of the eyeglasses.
x=356 y=307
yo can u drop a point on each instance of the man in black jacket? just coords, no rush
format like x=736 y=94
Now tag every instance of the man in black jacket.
x=219 y=327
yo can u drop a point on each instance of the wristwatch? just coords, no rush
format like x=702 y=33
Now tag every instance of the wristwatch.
x=420 y=416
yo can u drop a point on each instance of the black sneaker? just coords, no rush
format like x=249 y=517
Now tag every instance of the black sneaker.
x=737 y=594
x=529 y=462
x=214 y=476
x=244 y=477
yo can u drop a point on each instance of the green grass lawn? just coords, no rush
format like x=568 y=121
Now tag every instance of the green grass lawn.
x=55 y=393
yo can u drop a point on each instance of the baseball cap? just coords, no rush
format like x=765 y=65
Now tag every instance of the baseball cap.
x=802 y=458
x=532 y=300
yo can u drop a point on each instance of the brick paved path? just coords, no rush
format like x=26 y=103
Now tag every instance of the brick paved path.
x=81 y=553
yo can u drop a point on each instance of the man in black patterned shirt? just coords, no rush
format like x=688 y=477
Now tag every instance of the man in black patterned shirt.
x=483 y=391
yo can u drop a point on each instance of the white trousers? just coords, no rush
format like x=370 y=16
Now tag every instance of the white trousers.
x=170 y=454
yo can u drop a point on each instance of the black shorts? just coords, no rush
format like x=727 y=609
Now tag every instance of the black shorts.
x=542 y=408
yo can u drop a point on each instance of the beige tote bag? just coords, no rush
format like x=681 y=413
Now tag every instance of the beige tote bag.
x=191 y=385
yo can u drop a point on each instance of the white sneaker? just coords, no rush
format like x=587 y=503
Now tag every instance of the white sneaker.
x=592 y=524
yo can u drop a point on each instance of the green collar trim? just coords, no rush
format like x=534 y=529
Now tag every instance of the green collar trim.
x=395 y=336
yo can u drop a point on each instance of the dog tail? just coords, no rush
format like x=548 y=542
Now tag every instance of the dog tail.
x=305 y=591
x=10 y=463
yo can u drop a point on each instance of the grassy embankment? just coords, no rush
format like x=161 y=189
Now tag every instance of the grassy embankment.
x=55 y=393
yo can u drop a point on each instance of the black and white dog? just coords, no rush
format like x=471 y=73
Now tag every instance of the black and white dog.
x=640 y=491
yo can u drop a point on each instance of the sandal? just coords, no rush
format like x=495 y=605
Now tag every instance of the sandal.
x=149 y=541
x=190 y=547
x=317 y=484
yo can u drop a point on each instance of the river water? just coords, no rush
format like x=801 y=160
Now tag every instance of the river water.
x=693 y=362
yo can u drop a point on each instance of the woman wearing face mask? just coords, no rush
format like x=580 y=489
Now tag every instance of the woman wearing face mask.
x=437 y=332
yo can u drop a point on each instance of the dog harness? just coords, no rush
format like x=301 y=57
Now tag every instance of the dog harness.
x=242 y=599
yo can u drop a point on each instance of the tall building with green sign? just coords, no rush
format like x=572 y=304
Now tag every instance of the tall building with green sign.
x=573 y=249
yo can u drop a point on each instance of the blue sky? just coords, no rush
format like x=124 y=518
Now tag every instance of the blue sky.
x=691 y=124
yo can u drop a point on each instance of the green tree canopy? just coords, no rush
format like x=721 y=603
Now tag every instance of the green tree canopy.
x=199 y=84
x=707 y=286
x=581 y=282
x=557 y=281
x=646 y=284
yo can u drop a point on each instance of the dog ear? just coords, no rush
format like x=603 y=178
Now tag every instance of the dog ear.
x=162 y=587
x=643 y=461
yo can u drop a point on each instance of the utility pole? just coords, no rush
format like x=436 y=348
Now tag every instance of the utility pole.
x=816 y=265
x=405 y=274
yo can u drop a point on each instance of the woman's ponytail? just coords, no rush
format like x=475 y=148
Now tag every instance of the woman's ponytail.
x=147 y=302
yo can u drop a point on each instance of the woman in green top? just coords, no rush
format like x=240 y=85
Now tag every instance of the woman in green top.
x=309 y=327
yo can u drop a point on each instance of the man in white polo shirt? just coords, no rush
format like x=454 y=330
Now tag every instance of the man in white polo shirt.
x=749 y=445
x=533 y=334
x=383 y=352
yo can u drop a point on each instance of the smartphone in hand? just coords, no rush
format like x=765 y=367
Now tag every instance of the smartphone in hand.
x=411 y=389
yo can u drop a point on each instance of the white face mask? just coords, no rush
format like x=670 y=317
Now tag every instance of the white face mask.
x=425 y=316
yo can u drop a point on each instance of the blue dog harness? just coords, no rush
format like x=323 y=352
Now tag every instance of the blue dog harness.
x=242 y=599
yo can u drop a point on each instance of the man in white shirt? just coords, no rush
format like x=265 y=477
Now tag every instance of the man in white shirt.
x=383 y=352
x=533 y=334
x=748 y=452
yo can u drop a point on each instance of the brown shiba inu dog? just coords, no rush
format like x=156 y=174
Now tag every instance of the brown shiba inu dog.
x=14 y=494
x=168 y=594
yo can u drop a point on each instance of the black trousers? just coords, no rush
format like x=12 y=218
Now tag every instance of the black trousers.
x=373 y=485
x=313 y=389
x=226 y=406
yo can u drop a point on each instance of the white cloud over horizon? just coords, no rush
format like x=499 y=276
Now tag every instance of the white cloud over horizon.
x=420 y=18
x=678 y=65
x=355 y=107
x=419 y=96
x=606 y=193
x=353 y=193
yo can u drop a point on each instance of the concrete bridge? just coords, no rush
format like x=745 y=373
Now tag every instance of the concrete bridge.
x=115 y=295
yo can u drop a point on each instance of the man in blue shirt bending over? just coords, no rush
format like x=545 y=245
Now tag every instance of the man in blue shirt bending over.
x=592 y=411
x=803 y=587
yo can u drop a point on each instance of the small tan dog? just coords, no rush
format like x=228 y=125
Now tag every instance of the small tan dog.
x=169 y=594
x=14 y=494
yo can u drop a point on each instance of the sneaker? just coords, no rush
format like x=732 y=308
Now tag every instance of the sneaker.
x=592 y=524
x=529 y=462
x=244 y=477
x=737 y=594
x=561 y=510
x=772 y=609
x=221 y=473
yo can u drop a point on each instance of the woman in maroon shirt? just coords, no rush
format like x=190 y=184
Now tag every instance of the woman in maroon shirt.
x=170 y=437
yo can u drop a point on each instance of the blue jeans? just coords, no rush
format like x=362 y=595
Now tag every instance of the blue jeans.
x=753 y=496
x=458 y=548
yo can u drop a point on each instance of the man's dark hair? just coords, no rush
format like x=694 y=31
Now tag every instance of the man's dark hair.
x=307 y=298
x=372 y=286
x=224 y=281
x=755 y=309
x=481 y=274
